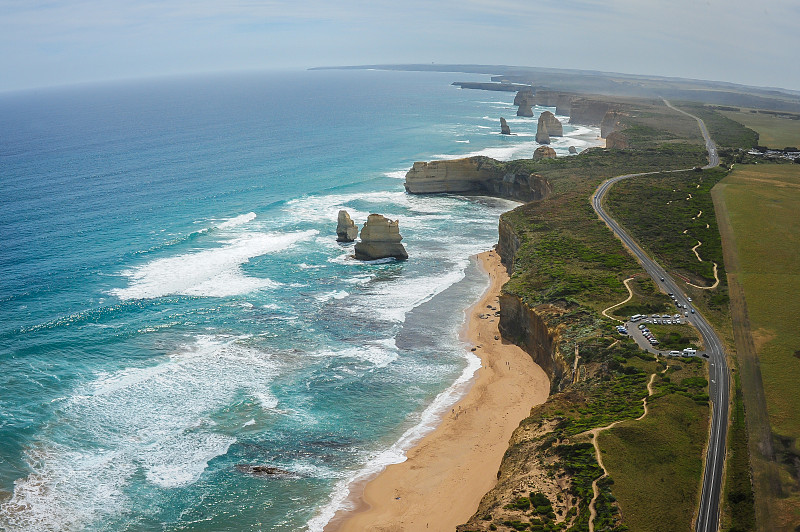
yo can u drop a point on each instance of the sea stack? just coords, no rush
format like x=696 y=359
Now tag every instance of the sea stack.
x=524 y=99
x=346 y=230
x=542 y=136
x=380 y=239
x=504 y=129
x=544 y=152
x=554 y=127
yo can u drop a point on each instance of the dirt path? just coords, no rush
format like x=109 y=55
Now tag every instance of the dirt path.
x=716 y=277
x=630 y=296
x=595 y=434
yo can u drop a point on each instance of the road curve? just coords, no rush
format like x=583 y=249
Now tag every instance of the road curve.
x=708 y=514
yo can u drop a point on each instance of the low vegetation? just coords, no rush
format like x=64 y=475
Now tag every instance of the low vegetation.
x=776 y=131
x=767 y=197
x=656 y=462
x=724 y=131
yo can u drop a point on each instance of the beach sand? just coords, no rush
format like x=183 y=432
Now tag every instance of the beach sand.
x=445 y=476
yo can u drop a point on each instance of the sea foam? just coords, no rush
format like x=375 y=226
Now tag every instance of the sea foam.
x=211 y=272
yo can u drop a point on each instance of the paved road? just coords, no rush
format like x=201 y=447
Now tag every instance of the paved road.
x=708 y=515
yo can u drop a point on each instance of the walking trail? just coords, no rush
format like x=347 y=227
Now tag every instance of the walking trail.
x=716 y=277
x=630 y=296
x=595 y=433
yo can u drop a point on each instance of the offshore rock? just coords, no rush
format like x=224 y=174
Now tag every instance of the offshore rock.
x=544 y=152
x=265 y=471
x=380 y=239
x=476 y=175
x=542 y=135
x=524 y=99
x=504 y=129
x=573 y=150
x=616 y=140
x=554 y=127
x=346 y=230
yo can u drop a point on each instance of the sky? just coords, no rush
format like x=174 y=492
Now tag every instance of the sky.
x=57 y=42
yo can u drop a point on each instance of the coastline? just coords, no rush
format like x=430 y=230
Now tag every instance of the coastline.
x=446 y=474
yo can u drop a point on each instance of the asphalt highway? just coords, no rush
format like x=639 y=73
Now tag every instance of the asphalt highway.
x=719 y=387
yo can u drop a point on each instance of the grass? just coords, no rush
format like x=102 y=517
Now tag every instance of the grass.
x=773 y=131
x=669 y=214
x=762 y=203
x=739 y=500
x=567 y=253
x=676 y=336
x=723 y=130
x=647 y=299
x=656 y=463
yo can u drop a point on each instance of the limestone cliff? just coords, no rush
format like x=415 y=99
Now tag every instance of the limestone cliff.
x=476 y=175
x=554 y=127
x=346 y=230
x=616 y=140
x=562 y=101
x=526 y=328
x=610 y=123
x=524 y=99
x=504 y=129
x=380 y=239
x=544 y=152
x=542 y=135
x=587 y=111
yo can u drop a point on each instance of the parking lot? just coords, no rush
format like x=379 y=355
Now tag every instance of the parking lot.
x=637 y=328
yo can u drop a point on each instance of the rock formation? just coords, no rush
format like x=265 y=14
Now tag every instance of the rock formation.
x=380 y=239
x=542 y=135
x=524 y=99
x=572 y=149
x=616 y=140
x=476 y=175
x=562 y=101
x=554 y=127
x=610 y=123
x=346 y=230
x=544 y=152
x=587 y=111
x=504 y=129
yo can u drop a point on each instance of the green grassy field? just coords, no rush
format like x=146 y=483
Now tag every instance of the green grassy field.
x=724 y=131
x=762 y=203
x=656 y=462
x=773 y=132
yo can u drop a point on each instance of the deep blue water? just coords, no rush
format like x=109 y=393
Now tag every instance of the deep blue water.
x=173 y=303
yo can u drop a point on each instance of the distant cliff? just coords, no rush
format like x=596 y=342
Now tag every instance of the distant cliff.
x=476 y=175
x=587 y=111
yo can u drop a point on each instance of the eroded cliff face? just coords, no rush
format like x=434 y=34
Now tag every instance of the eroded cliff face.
x=508 y=242
x=562 y=101
x=610 y=123
x=475 y=175
x=588 y=112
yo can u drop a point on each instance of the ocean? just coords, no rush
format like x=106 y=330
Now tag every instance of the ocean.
x=174 y=308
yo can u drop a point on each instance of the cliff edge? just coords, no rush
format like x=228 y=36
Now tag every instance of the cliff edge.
x=476 y=175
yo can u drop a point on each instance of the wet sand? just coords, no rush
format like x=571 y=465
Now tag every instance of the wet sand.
x=447 y=473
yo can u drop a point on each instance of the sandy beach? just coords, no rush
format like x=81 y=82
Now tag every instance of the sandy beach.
x=445 y=476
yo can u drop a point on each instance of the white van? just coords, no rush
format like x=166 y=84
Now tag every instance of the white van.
x=689 y=352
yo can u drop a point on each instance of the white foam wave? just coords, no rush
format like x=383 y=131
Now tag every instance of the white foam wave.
x=381 y=353
x=396 y=174
x=158 y=420
x=327 y=296
x=396 y=454
x=211 y=272
x=237 y=220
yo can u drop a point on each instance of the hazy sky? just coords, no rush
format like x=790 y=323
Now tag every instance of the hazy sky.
x=52 y=42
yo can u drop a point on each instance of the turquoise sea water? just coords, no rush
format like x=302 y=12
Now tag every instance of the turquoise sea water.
x=173 y=303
